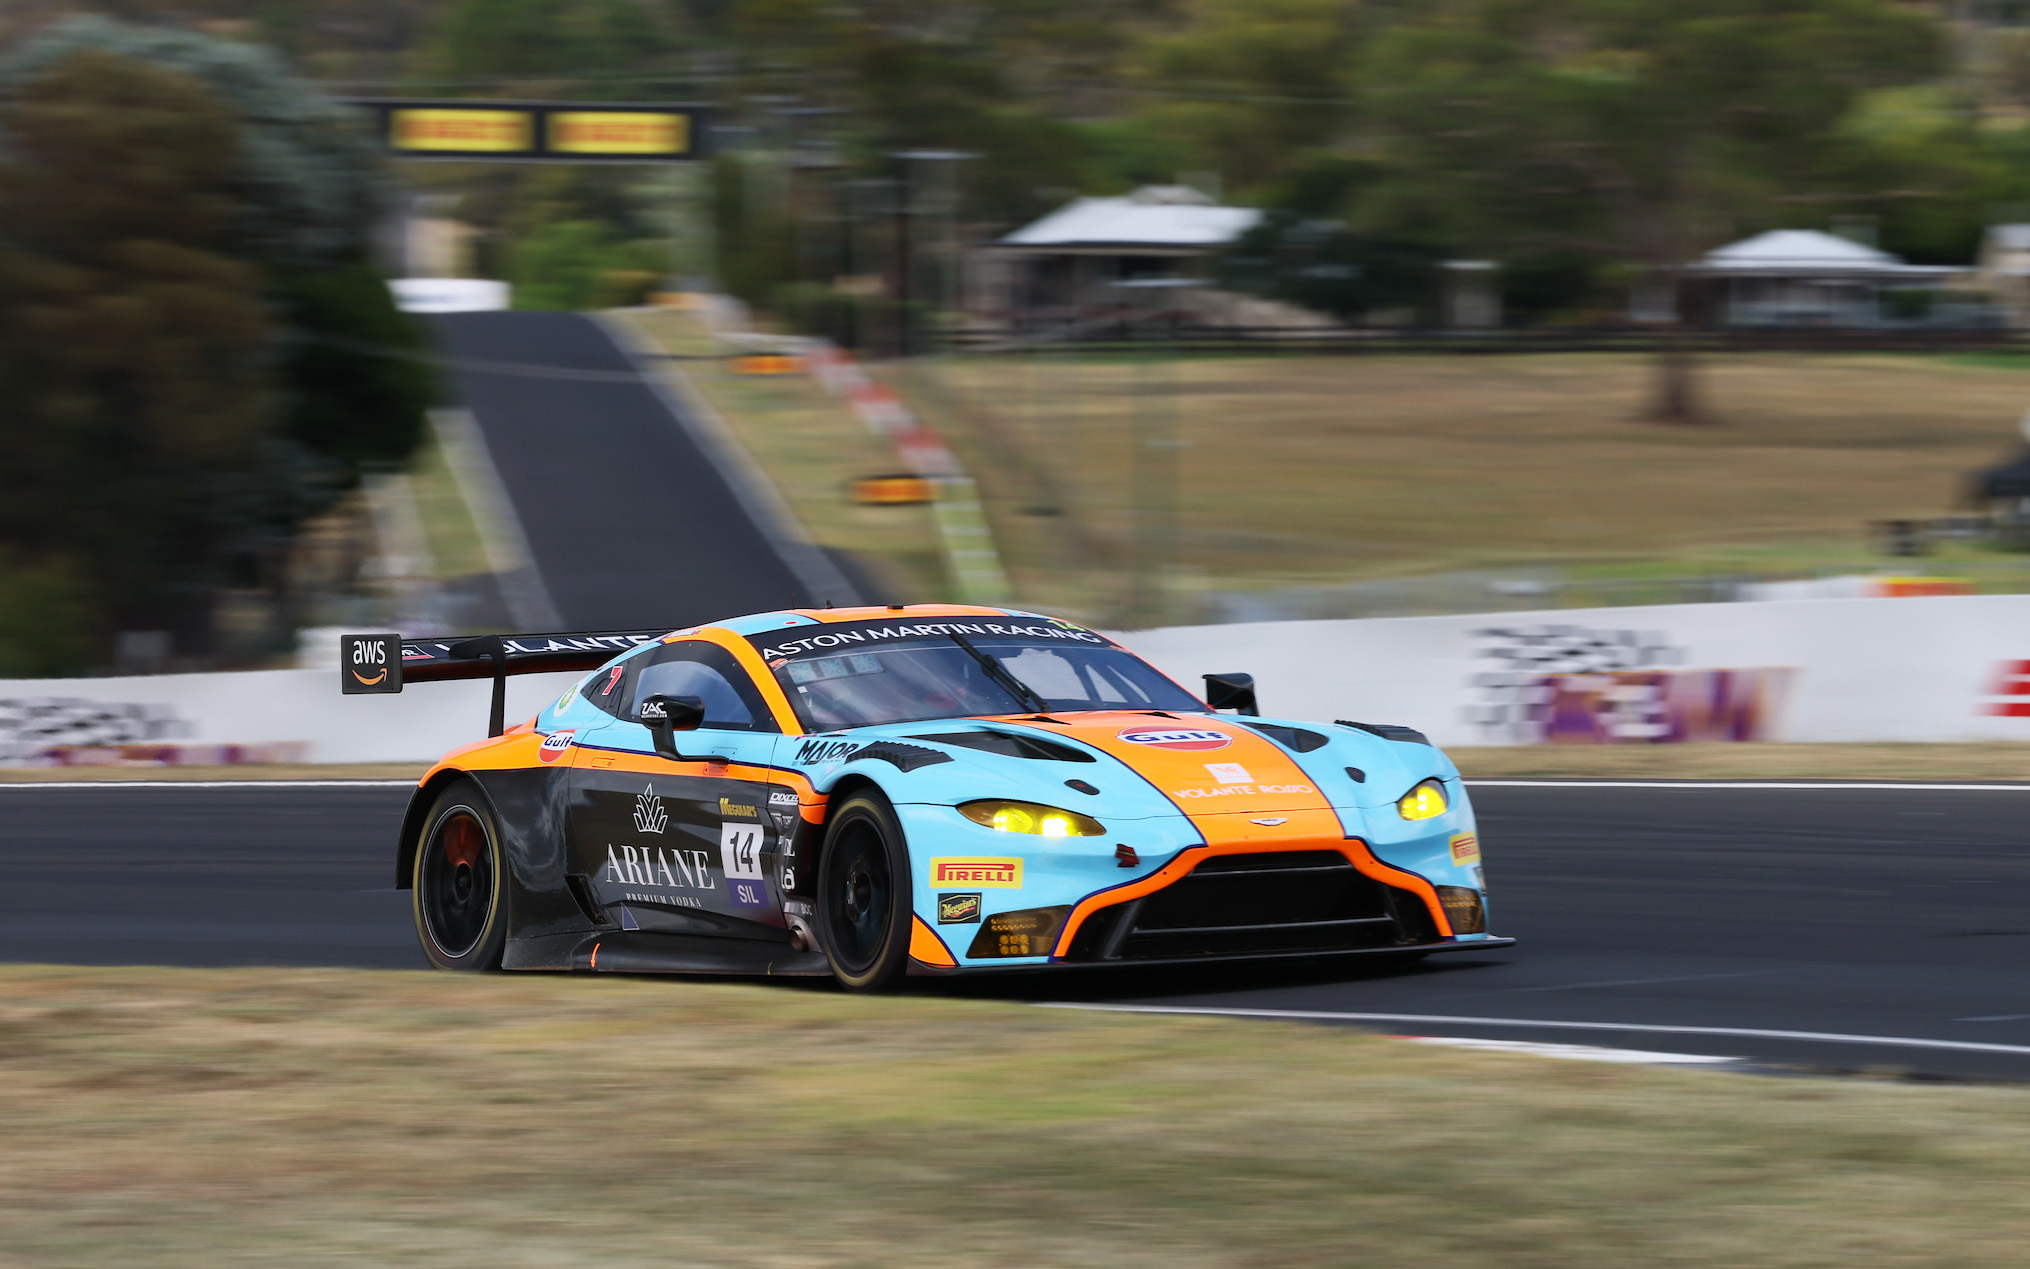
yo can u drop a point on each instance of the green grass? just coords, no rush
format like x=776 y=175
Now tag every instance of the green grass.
x=172 y=1117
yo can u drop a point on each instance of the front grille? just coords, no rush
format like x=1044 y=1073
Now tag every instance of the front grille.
x=1237 y=905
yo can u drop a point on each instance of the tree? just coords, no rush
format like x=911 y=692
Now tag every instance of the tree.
x=133 y=343
x=196 y=355
x=1253 y=86
x=1643 y=130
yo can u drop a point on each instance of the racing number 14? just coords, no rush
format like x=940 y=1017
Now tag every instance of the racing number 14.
x=740 y=850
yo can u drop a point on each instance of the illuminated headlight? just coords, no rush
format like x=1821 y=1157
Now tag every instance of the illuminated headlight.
x=1426 y=801
x=1031 y=817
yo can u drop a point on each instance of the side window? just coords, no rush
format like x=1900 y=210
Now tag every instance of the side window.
x=706 y=671
x=607 y=688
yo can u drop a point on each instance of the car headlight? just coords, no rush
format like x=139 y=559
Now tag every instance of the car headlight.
x=1031 y=817
x=1426 y=801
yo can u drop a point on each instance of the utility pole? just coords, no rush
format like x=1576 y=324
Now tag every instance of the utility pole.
x=1153 y=434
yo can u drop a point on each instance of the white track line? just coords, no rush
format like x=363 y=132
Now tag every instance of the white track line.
x=208 y=784
x=1756 y=1033
x=1744 y=784
x=1573 y=1052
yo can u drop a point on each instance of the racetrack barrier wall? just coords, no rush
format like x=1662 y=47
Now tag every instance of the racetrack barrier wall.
x=260 y=715
x=1942 y=668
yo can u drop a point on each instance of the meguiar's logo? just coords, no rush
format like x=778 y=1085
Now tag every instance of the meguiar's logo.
x=738 y=809
x=958 y=909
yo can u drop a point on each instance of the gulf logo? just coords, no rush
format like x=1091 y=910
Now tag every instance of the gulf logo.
x=555 y=744
x=1176 y=737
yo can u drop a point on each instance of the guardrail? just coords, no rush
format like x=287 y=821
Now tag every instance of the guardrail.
x=1195 y=338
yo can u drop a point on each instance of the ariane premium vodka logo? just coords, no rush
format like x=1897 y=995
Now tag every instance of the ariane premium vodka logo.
x=661 y=876
x=649 y=816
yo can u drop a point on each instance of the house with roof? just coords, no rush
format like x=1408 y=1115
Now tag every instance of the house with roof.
x=1801 y=277
x=1066 y=265
x=2003 y=270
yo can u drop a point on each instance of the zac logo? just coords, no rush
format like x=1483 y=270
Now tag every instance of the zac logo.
x=370 y=663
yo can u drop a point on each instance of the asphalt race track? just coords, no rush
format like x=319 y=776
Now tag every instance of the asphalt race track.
x=631 y=522
x=1901 y=914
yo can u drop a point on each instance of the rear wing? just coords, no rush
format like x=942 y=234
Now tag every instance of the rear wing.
x=376 y=664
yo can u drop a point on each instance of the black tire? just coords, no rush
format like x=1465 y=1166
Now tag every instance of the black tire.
x=461 y=882
x=864 y=902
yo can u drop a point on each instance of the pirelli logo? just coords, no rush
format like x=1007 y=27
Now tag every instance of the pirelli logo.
x=454 y=131
x=980 y=873
x=532 y=131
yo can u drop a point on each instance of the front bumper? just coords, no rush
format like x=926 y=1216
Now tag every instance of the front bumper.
x=1488 y=943
x=1261 y=900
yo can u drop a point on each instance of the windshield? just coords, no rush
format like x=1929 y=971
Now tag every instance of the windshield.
x=939 y=678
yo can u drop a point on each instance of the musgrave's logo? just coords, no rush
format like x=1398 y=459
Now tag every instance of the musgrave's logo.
x=989 y=873
x=649 y=816
x=738 y=810
x=1184 y=738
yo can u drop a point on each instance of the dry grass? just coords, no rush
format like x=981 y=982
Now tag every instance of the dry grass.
x=1317 y=468
x=162 y=1117
x=1987 y=761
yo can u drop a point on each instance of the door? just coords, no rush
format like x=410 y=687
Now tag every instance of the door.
x=683 y=845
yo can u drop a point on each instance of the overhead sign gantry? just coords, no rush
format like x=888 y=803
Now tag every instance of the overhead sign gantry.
x=536 y=132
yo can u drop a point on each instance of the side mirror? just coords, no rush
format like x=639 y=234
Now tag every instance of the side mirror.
x=664 y=716
x=1231 y=691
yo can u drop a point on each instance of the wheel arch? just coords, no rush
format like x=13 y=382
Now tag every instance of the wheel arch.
x=420 y=802
x=845 y=787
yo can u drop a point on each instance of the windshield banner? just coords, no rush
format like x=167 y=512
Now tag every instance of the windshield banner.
x=856 y=636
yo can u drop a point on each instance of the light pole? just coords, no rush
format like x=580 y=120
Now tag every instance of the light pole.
x=1153 y=554
x=947 y=203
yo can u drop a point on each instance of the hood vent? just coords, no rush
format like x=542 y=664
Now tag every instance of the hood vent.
x=1011 y=745
x=1289 y=737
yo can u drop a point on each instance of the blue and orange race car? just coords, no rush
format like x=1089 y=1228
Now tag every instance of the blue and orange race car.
x=934 y=789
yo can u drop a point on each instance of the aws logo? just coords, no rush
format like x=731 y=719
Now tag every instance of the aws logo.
x=370 y=663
